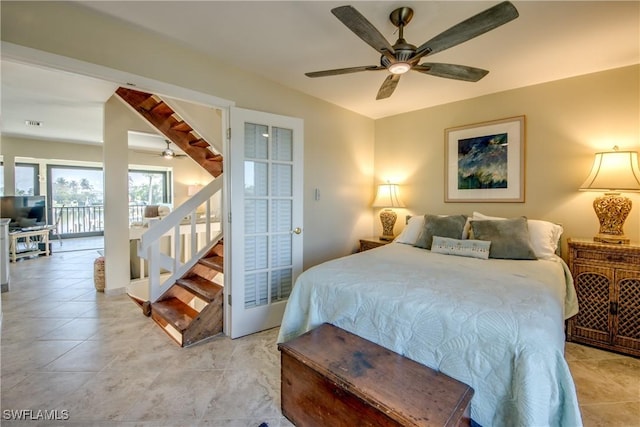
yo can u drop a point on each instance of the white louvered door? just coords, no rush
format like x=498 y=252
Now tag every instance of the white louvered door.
x=266 y=155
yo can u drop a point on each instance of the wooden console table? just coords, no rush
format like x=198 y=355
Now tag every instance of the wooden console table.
x=28 y=243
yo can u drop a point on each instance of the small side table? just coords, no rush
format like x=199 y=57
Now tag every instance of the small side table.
x=607 y=282
x=28 y=242
x=372 y=242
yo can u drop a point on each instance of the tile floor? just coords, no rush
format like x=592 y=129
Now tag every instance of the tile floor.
x=66 y=347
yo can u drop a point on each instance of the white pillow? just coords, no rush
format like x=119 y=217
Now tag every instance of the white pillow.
x=544 y=235
x=467 y=248
x=411 y=231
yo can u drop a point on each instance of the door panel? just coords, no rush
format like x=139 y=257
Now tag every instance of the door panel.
x=266 y=155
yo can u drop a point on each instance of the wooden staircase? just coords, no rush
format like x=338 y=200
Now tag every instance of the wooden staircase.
x=191 y=310
x=161 y=116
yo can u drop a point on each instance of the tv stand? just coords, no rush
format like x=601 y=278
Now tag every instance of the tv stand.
x=29 y=242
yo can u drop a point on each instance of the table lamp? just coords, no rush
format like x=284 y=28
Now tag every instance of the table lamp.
x=613 y=172
x=387 y=197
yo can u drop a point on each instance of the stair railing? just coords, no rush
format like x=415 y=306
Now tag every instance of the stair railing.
x=203 y=232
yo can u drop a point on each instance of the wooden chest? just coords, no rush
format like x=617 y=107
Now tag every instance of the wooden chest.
x=331 y=377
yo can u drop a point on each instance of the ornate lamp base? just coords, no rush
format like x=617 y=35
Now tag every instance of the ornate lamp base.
x=388 y=219
x=612 y=210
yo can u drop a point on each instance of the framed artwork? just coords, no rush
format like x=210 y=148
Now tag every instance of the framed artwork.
x=484 y=162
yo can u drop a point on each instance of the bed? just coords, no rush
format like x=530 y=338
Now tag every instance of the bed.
x=495 y=324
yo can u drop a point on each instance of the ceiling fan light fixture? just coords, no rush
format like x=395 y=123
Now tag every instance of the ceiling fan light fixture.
x=402 y=56
x=168 y=154
x=399 y=68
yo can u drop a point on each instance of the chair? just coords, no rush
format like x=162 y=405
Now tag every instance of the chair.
x=54 y=230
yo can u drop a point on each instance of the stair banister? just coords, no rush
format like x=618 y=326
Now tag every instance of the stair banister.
x=149 y=245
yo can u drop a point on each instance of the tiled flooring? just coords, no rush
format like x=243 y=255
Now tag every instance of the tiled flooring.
x=69 y=348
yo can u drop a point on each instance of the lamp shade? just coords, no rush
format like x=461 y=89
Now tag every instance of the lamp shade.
x=614 y=171
x=388 y=196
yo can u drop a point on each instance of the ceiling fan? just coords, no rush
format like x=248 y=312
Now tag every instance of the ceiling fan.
x=168 y=152
x=403 y=57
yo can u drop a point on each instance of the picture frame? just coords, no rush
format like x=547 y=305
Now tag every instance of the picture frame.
x=485 y=162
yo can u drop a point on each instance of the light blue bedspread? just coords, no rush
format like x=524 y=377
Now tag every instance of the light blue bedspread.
x=497 y=325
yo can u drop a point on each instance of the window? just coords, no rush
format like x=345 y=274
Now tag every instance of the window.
x=83 y=186
x=75 y=186
x=148 y=187
x=26 y=179
x=27 y=182
x=76 y=194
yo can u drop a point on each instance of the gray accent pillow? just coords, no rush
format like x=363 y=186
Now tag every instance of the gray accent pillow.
x=443 y=226
x=509 y=237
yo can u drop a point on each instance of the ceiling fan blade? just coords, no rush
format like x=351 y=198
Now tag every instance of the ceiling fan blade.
x=452 y=71
x=364 y=29
x=344 y=71
x=388 y=86
x=466 y=30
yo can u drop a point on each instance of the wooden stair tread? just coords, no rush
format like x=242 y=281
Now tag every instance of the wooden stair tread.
x=181 y=127
x=214 y=262
x=174 y=311
x=161 y=109
x=203 y=288
x=199 y=143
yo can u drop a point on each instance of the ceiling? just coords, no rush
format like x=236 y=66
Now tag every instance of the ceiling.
x=282 y=40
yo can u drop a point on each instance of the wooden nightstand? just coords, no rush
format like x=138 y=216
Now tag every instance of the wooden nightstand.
x=607 y=281
x=372 y=242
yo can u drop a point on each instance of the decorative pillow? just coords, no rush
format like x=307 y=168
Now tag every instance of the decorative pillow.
x=163 y=210
x=444 y=226
x=468 y=248
x=544 y=235
x=411 y=231
x=509 y=237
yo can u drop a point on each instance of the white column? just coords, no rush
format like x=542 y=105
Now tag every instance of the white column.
x=116 y=198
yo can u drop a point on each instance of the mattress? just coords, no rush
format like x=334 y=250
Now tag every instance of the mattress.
x=497 y=325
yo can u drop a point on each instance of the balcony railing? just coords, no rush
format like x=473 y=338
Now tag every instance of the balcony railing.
x=76 y=221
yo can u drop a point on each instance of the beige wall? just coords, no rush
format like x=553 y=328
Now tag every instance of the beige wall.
x=338 y=143
x=185 y=171
x=567 y=121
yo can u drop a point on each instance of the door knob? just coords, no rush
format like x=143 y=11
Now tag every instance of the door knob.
x=297 y=230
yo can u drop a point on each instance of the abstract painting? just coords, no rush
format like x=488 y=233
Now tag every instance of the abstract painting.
x=485 y=162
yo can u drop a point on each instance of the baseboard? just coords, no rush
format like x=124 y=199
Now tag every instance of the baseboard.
x=116 y=291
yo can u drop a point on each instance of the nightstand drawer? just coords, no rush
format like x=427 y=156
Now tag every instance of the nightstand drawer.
x=607 y=256
x=372 y=242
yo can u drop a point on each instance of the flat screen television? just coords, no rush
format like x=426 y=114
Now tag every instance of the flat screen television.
x=24 y=211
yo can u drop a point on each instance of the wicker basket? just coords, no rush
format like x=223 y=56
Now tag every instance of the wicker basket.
x=98 y=274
